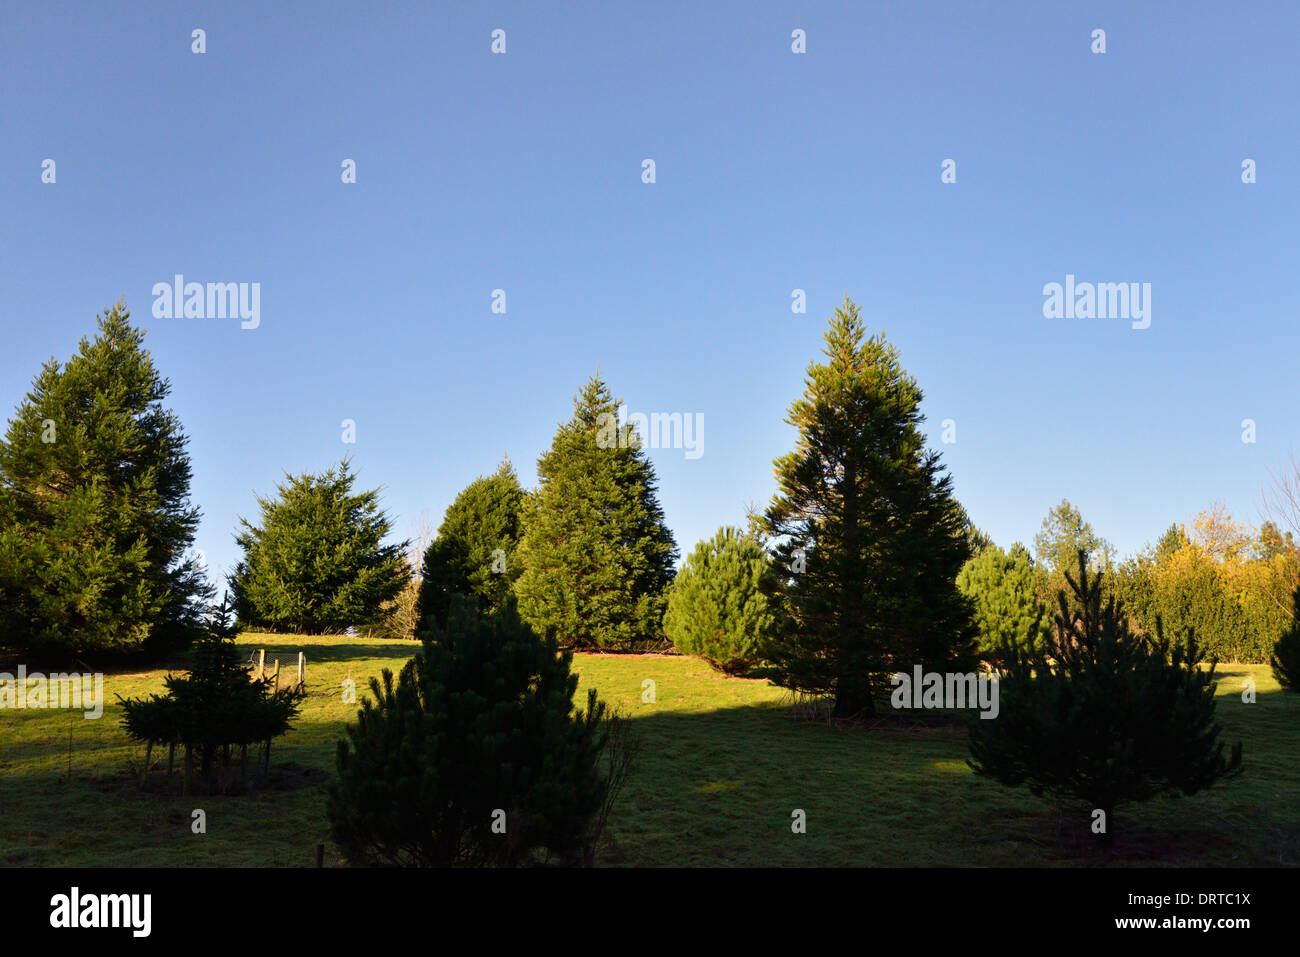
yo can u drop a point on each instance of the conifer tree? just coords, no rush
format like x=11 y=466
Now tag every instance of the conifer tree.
x=475 y=756
x=95 y=516
x=871 y=537
x=595 y=552
x=720 y=606
x=317 y=563
x=1004 y=595
x=1285 y=659
x=1101 y=715
x=474 y=552
x=214 y=712
x=1061 y=535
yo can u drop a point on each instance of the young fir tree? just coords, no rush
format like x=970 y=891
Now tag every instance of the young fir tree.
x=595 y=552
x=720 y=606
x=474 y=553
x=317 y=563
x=476 y=756
x=95 y=516
x=213 y=713
x=1004 y=594
x=873 y=537
x=1101 y=715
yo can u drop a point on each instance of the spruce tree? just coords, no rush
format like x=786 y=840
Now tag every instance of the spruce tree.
x=1101 y=715
x=316 y=563
x=871 y=537
x=595 y=552
x=95 y=516
x=474 y=553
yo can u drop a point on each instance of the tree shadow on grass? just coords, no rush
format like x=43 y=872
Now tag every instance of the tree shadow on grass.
x=719 y=787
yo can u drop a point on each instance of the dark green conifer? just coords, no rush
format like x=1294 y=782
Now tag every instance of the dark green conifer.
x=474 y=552
x=1101 y=715
x=1285 y=659
x=870 y=536
x=95 y=516
x=475 y=755
x=317 y=563
x=213 y=713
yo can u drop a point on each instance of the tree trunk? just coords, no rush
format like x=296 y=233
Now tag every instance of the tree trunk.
x=852 y=695
x=148 y=754
x=853 y=700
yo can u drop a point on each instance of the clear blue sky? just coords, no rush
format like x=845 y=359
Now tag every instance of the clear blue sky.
x=775 y=171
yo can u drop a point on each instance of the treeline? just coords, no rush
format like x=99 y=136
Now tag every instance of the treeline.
x=864 y=557
x=1230 y=583
x=1233 y=584
x=586 y=554
x=864 y=564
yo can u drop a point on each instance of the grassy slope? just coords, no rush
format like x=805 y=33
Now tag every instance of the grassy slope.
x=724 y=764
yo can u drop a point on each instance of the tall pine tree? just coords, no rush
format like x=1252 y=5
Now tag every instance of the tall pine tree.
x=871 y=537
x=596 y=554
x=95 y=516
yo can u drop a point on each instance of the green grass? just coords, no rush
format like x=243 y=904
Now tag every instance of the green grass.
x=724 y=763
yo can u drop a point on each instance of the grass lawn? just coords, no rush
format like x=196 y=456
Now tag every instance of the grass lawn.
x=723 y=765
